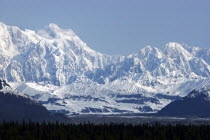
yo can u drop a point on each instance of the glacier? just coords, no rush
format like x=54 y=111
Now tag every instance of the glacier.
x=55 y=67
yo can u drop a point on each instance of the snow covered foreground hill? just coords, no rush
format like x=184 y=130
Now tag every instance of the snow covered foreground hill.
x=195 y=104
x=15 y=106
x=55 y=67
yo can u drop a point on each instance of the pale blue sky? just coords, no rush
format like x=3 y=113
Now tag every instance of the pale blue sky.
x=117 y=26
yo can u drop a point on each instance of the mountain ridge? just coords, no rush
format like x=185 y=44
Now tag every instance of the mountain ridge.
x=63 y=73
x=195 y=104
x=15 y=106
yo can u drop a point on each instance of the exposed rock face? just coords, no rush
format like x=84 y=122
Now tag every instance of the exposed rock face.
x=3 y=84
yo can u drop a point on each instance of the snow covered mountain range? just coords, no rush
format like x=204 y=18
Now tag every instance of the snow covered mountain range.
x=55 y=67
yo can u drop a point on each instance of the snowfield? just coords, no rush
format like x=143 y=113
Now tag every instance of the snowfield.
x=55 y=67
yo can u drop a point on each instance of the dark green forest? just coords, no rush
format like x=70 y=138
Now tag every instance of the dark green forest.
x=60 y=131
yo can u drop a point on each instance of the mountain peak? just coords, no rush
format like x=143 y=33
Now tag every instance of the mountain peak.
x=53 y=26
x=2 y=24
x=53 y=31
x=174 y=50
x=173 y=46
x=147 y=48
x=3 y=27
x=144 y=51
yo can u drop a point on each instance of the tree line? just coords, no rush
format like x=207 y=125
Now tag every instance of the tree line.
x=62 y=131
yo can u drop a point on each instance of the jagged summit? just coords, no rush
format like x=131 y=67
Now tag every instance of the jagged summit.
x=57 y=56
x=53 y=31
x=2 y=25
x=53 y=26
x=51 y=55
x=175 y=50
x=68 y=72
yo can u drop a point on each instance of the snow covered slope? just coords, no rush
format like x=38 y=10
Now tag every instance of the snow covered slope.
x=195 y=104
x=15 y=106
x=65 y=75
x=52 y=55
